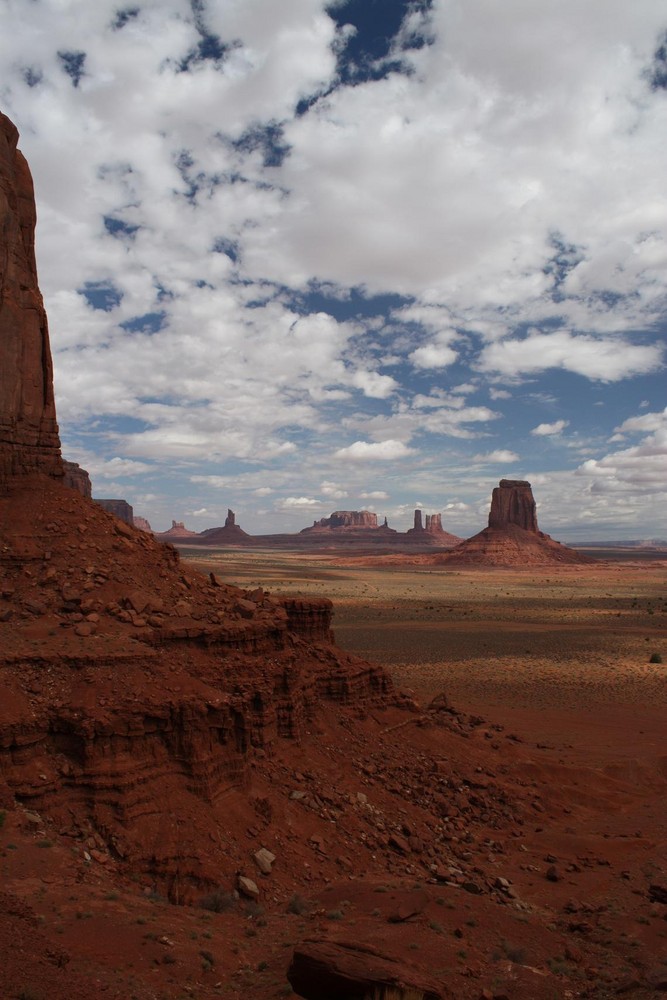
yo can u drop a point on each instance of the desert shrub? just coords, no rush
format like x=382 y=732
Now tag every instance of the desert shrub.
x=517 y=955
x=3 y=814
x=335 y=915
x=218 y=901
x=655 y=658
x=297 y=904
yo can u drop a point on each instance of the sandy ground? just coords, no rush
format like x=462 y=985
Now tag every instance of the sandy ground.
x=562 y=655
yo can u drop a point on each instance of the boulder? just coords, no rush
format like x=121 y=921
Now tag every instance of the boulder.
x=327 y=970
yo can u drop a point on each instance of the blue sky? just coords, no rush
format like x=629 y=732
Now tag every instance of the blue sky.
x=301 y=256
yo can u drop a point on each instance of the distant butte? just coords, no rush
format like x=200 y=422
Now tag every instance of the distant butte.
x=512 y=537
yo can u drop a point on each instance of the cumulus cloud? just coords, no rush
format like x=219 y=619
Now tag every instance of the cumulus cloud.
x=545 y=430
x=374 y=495
x=638 y=469
x=598 y=358
x=380 y=451
x=245 y=252
x=500 y=455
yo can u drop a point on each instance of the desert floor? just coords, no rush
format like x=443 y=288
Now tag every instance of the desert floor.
x=562 y=655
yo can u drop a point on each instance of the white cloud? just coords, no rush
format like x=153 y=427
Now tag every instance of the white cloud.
x=500 y=455
x=299 y=502
x=545 y=430
x=381 y=451
x=472 y=192
x=598 y=358
x=639 y=469
x=433 y=356
x=332 y=490
x=374 y=495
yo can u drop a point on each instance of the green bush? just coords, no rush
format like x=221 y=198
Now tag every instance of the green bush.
x=655 y=658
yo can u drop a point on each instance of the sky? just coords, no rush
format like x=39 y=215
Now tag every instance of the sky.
x=301 y=256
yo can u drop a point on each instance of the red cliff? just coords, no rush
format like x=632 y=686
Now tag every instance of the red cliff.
x=29 y=439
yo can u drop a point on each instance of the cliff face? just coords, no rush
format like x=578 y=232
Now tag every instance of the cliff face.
x=29 y=440
x=77 y=479
x=512 y=503
x=135 y=694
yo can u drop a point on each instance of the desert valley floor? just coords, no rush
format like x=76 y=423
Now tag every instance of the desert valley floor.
x=556 y=880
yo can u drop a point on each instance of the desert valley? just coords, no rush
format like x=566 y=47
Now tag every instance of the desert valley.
x=338 y=773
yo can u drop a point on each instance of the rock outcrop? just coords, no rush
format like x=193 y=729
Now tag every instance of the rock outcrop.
x=134 y=692
x=142 y=524
x=176 y=533
x=29 y=440
x=431 y=532
x=345 y=520
x=512 y=537
x=119 y=508
x=77 y=479
x=229 y=534
x=512 y=503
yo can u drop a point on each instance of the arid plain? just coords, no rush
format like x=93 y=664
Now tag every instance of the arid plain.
x=538 y=644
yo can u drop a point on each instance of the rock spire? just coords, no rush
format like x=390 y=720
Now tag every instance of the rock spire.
x=29 y=440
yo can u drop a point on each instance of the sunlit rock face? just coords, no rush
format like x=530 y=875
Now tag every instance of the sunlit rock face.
x=512 y=503
x=29 y=440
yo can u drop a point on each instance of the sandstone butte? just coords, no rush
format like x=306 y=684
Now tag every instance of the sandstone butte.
x=172 y=739
x=512 y=537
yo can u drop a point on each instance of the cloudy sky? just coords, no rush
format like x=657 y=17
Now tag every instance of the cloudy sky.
x=301 y=256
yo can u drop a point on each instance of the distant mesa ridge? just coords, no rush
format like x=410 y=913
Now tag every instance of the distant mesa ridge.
x=347 y=520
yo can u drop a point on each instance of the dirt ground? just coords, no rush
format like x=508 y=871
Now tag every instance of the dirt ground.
x=551 y=851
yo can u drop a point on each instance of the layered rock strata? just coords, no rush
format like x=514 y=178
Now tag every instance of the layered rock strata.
x=512 y=503
x=135 y=693
x=77 y=479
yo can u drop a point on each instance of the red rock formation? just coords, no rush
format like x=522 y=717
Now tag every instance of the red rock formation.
x=512 y=537
x=430 y=534
x=177 y=532
x=142 y=524
x=161 y=682
x=77 y=479
x=119 y=508
x=29 y=439
x=324 y=970
x=230 y=533
x=512 y=503
x=345 y=520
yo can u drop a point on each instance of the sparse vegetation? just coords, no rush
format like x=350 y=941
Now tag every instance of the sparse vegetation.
x=297 y=904
x=218 y=901
x=655 y=658
x=513 y=953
